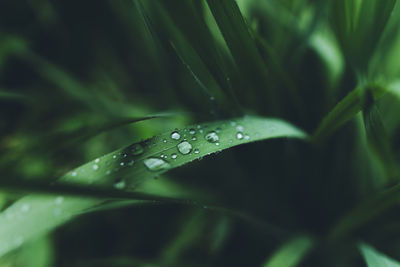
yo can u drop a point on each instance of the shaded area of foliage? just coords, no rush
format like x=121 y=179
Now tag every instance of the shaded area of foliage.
x=74 y=74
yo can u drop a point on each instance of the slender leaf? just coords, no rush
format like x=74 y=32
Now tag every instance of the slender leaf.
x=374 y=258
x=291 y=253
x=129 y=167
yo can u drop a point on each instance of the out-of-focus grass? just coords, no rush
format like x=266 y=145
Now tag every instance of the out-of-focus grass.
x=73 y=74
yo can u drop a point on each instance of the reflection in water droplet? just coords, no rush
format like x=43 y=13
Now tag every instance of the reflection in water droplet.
x=120 y=184
x=124 y=155
x=212 y=137
x=59 y=200
x=194 y=138
x=239 y=135
x=192 y=131
x=114 y=156
x=164 y=140
x=156 y=164
x=137 y=149
x=25 y=208
x=174 y=155
x=184 y=147
x=95 y=167
x=175 y=135
x=247 y=137
x=240 y=128
x=196 y=151
x=217 y=144
x=122 y=164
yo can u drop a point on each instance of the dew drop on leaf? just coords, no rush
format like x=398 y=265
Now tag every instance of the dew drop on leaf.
x=155 y=164
x=73 y=173
x=175 y=135
x=25 y=208
x=196 y=151
x=240 y=128
x=184 y=147
x=120 y=184
x=194 y=138
x=192 y=131
x=137 y=149
x=174 y=155
x=59 y=200
x=239 y=135
x=212 y=137
x=95 y=167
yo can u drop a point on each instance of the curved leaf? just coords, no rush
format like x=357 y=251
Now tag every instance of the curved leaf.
x=129 y=167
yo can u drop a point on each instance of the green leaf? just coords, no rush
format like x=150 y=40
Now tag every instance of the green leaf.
x=345 y=110
x=374 y=258
x=243 y=48
x=128 y=168
x=378 y=139
x=291 y=253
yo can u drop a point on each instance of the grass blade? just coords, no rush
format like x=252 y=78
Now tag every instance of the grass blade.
x=378 y=139
x=345 y=110
x=243 y=47
x=129 y=167
x=291 y=253
x=374 y=258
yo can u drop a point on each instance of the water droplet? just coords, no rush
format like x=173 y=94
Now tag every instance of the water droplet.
x=97 y=160
x=156 y=164
x=247 y=137
x=137 y=149
x=73 y=174
x=217 y=144
x=184 y=147
x=212 y=98
x=122 y=164
x=174 y=155
x=198 y=126
x=95 y=167
x=239 y=135
x=130 y=163
x=120 y=184
x=196 y=151
x=124 y=155
x=59 y=200
x=25 y=208
x=240 y=128
x=194 y=138
x=175 y=135
x=114 y=156
x=212 y=137
x=192 y=131
x=201 y=131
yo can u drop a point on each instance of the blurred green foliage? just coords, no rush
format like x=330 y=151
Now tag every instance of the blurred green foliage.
x=75 y=74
